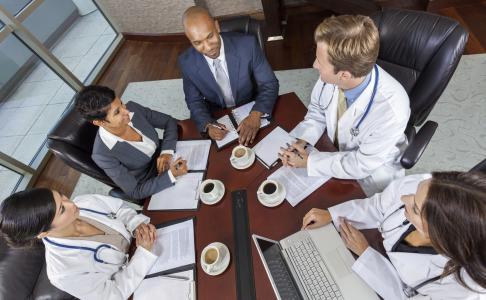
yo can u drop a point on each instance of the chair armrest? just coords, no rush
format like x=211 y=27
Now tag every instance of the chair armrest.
x=417 y=147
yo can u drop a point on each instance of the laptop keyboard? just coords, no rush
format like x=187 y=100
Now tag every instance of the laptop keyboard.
x=312 y=270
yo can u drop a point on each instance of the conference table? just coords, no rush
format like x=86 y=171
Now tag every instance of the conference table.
x=214 y=223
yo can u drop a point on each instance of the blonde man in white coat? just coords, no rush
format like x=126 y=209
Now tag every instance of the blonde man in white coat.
x=86 y=240
x=434 y=236
x=362 y=108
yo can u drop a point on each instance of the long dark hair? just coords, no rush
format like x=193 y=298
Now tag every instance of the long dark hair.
x=455 y=211
x=25 y=214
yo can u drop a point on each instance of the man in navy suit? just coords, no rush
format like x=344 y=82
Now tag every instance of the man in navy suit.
x=224 y=70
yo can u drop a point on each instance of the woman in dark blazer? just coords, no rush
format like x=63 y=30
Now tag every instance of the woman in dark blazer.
x=127 y=146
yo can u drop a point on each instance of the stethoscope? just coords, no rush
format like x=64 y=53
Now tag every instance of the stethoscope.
x=355 y=130
x=409 y=291
x=404 y=223
x=94 y=250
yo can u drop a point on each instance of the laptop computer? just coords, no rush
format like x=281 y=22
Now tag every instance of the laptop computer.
x=312 y=264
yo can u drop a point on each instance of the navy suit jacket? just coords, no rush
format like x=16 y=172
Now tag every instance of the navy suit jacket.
x=251 y=78
x=132 y=170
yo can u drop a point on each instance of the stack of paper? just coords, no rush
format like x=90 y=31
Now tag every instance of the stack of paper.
x=195 y=152
x=176 y=286
x=297 y=184
x=184 y=194
x=240 y=113
x=268 y=148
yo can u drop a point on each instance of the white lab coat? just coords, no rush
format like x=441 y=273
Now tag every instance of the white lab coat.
x=387 y=277
x=373 y=156
x=76 y=272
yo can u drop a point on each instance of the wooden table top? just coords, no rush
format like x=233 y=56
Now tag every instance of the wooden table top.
x=214 y=223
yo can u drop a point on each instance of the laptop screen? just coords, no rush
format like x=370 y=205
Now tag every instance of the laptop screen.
x=278 y=269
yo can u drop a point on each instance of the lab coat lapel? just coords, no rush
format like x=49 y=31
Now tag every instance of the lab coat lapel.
x=353 y=114
x=331 y=92
x=414 y=268
x=112 y=223
x=205 y=75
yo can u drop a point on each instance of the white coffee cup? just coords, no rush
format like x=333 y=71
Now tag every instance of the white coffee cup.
x=211 y=190
x=240 y=155
x=269 y=191
x=212 y=256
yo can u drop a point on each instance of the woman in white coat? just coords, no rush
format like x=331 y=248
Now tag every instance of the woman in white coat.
x=362 y=108
x=434 y=231
x=86 y=240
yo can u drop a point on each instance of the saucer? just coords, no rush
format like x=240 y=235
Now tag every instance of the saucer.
x=250 y=162
x=277 y=201
x=223 y=265
x=212 y=202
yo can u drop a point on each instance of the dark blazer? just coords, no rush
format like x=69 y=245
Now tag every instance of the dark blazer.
x=132 y=170
x=251 y=78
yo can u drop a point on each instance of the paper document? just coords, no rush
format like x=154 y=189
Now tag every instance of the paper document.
x=297 y=184
x=268 y=148
x=231 y=135
x=240 y=113
x=196 y=152
x=174 y=246
x=184 y=194
x=175 y=286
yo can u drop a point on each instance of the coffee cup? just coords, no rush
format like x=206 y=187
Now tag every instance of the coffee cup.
x=212 y=256
x=211 y=191
x=270 y=191
x=240 y=155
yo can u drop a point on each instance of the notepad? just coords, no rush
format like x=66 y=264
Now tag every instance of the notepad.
x=183 y=195
x=195 y=152
x=268 y=148
x=177 y=286
x=233 y=120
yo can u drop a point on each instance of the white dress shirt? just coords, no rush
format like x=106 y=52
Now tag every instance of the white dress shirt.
x=221 y=57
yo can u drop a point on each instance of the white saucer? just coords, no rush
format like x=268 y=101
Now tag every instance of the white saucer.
x=224 y=264
x=207 y=202
x=278 y=200
x=250 y=162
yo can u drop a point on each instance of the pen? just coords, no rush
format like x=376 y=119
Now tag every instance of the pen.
x=294 y=151
x=217 y=126
x=175 y=277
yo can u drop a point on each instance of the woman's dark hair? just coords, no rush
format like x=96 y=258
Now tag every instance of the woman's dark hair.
x=455 y=212
x=25 y=214
x=93 y=102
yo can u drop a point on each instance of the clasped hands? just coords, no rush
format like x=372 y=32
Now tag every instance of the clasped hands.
x=247 y=130
x=294 y=155
x=352 y=237
x=177 y=167
x=145 y=235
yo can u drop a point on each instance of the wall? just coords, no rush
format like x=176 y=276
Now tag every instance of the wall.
x=164 y=16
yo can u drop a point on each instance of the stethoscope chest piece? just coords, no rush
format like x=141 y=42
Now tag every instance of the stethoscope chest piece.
x=354 y=131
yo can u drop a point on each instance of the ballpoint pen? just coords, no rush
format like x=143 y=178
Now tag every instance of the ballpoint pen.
x=217 y=126
x=294 y=151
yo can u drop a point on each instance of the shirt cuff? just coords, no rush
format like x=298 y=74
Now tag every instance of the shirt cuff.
x=168 y=151
x=171 y=176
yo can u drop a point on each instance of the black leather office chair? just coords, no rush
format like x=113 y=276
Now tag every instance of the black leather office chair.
x=481 y=167
x=243 y=24
x=421 y=50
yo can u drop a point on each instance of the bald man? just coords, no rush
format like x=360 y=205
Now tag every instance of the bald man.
x=221 y=70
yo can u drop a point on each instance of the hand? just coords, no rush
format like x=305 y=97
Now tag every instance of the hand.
x=353 y=238
x=249 y=127
x=179 y=167
x=216 y=133
x=294 y=156
x=316 y=218
x=163 y=163
x=145 y=235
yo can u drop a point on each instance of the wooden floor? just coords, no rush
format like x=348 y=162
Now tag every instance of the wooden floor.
x=144 y=60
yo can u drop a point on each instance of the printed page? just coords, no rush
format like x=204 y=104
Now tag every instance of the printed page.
x=174 y=246
x=297 y=184
x=196 y=152
x=231 y=135
x=268 y=148
x=184 y=194
x=240 y=113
